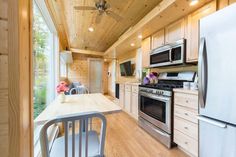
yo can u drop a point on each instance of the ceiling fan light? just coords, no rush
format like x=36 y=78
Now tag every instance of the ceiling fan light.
x=193 y=2
x=132 y=44
x=91 y=29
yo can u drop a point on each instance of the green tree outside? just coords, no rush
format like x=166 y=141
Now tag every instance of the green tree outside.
x=40 y=42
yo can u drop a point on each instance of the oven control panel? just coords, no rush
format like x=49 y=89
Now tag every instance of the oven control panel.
x=155 y=91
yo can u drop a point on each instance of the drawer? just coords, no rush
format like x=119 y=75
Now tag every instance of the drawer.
x=187 y=100
x=128 y=88
x=135 y=89
x=185 y=113
x=187 y=143
x=186 y=127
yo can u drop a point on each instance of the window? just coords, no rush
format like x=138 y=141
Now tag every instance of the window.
x=45 y=65
x=44 y=45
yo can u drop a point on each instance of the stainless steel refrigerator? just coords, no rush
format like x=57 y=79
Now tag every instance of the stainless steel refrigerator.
x=217 y=84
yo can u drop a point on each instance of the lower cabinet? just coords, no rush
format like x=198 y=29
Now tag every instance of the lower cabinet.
x=122 y=95
x=185 y=121
x=134 y=105
x=129 y=99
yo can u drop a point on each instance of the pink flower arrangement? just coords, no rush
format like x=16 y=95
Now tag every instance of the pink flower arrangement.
x=62 y=87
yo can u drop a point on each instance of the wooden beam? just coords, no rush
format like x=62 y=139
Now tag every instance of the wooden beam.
x=88 y=52
x=19 y=82
x=151 y=15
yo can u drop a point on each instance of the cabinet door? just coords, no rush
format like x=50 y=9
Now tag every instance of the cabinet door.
x=134 y=106
x=146 y=47
x=158 y=39
x=193 y=30
x=127 y=106
x=122 y=99
x=232 y=1
x=175 y=31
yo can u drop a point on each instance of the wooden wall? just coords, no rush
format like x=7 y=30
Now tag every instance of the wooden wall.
x=4 y=132
x=78 y=70
x=124 y=57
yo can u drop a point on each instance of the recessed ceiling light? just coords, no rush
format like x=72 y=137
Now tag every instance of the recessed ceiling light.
x=140 y=36
x=91 y=29
x=132 y=44
x=193 y=2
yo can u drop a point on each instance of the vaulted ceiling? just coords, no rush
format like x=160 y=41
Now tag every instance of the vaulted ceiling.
x=72 y=25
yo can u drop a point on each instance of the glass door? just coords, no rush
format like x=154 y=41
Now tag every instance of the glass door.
x=161 y=57
x=153 y=108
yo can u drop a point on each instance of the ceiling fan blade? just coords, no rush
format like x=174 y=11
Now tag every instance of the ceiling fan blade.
x=84 y=8
x=98 y=18
x=114 y=15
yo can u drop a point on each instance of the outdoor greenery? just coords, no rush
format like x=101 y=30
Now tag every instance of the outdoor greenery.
x=40 y=43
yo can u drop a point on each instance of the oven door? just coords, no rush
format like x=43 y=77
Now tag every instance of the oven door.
x=156 y=109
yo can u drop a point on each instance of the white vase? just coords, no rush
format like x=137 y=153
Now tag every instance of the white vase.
x=62 y=97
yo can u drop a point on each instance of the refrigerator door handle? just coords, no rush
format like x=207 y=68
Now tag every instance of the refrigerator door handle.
x=212 y=122
x=202 y=72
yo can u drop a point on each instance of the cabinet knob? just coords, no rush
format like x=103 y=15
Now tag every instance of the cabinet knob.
x=186 y=114
x=186 y=143
x=186 y=128
x=186 y=101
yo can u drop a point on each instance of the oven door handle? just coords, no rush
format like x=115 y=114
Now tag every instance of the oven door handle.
x=154 y=97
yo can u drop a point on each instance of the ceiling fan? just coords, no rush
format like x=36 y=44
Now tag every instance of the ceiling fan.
x=102 y=7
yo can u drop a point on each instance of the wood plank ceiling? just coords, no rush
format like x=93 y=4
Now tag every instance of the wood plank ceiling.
x=73 y=25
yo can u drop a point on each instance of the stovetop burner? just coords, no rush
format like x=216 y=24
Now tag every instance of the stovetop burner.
x=165 y=85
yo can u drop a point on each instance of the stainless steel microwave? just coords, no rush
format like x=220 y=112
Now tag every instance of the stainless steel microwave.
x=171 y=54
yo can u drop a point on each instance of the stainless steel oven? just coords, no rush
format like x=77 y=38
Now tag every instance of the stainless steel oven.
x=171 y=54
x=155 y=113
x=156 y=106
x=156 y=109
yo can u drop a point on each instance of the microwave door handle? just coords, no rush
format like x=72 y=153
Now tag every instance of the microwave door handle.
x=170 y=55
x=202 y=72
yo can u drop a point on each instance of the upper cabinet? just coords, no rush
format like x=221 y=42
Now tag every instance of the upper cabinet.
x=146 y=48
x=193 y=30
x=158 y=39
x=175 y=31
x=232 y=1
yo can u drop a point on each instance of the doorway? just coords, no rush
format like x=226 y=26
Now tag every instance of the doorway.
x=95 y=75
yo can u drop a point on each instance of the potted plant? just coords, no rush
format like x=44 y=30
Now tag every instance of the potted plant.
x=61 y=89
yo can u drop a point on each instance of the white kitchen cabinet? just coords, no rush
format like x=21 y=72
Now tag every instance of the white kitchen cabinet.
x=127 y=103
x=193 y=30
x=175 y=31
x=134 y=105
x=122 y=95
x=129 y=99
x=185 y=120
x=158 y=39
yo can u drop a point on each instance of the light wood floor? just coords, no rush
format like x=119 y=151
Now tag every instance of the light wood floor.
x=126 y=139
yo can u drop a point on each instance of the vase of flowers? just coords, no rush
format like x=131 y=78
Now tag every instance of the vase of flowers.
x=61 y=89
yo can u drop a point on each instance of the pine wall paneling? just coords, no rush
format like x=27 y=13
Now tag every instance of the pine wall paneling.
x=4 y=131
